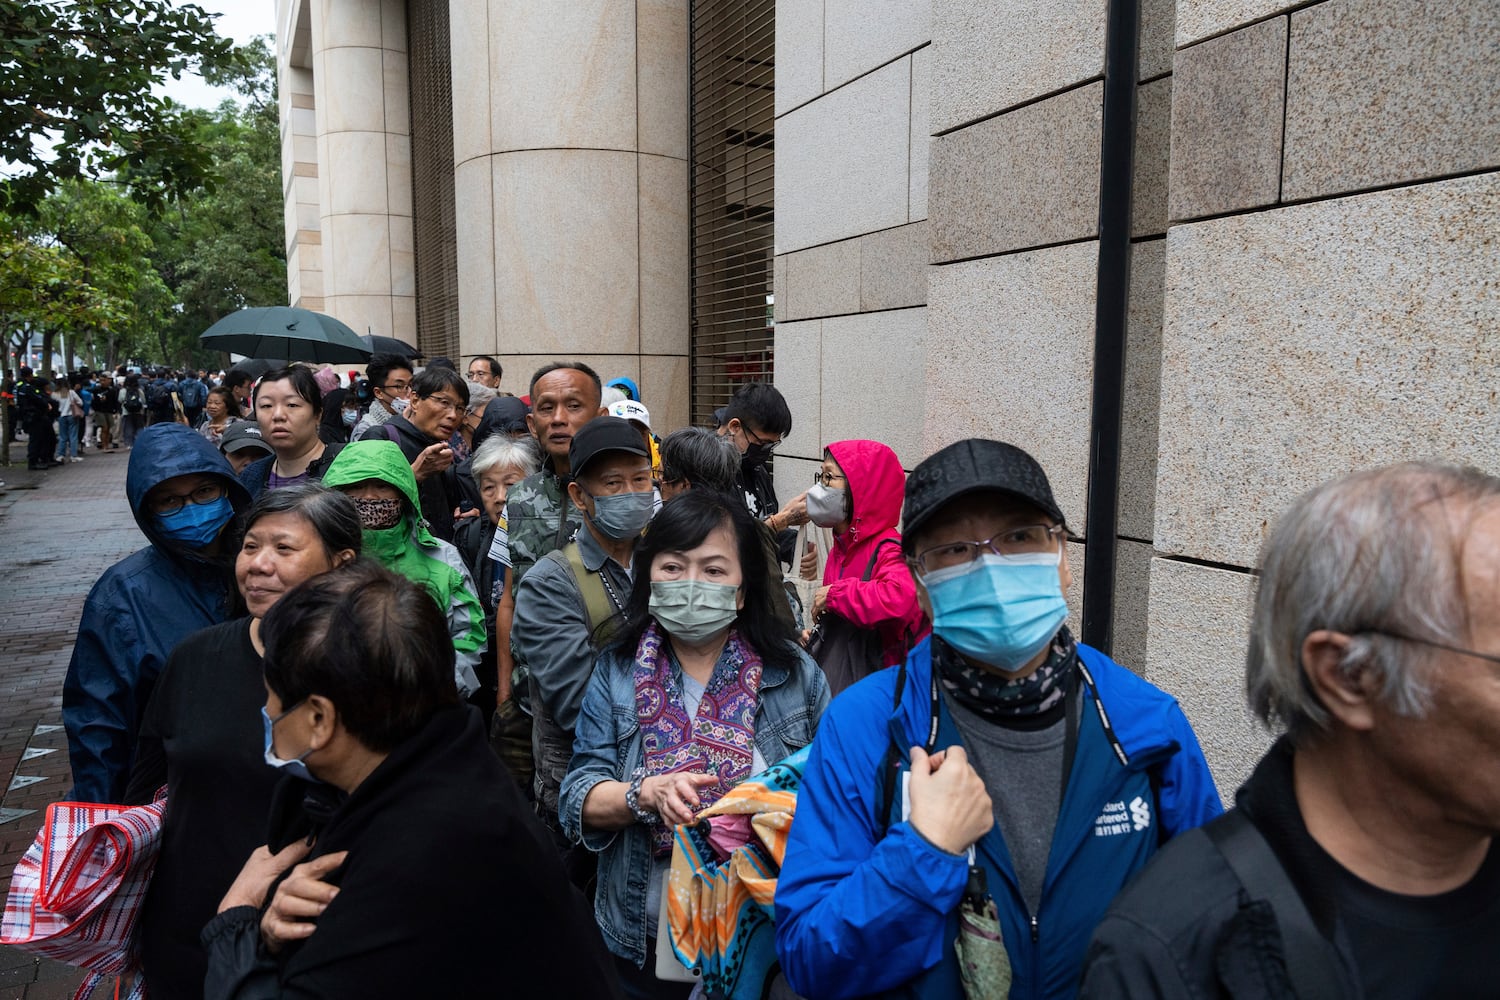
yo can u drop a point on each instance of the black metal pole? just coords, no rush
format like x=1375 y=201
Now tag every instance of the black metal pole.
x=1111 y=311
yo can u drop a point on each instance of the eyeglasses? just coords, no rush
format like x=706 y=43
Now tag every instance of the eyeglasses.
x=756 y=439
x=478 y=373
x=396 y=387
x=828 y=478
x=1029 y=539
x=446 y=403
x=172 y=503
x=1491 y=657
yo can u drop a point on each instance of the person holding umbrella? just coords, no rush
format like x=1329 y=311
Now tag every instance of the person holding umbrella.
x=288 y=404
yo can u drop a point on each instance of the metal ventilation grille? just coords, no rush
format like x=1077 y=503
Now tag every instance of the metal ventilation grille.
x=436 y=241
x=732 y=121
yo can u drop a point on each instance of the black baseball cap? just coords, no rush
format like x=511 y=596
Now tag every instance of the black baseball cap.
x=974 y=465
x=243 y=434
x=600 y=435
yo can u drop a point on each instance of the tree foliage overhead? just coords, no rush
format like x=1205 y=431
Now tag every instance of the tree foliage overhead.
x=76 y=93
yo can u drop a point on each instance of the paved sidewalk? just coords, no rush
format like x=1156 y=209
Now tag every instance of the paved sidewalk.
x=58 y=531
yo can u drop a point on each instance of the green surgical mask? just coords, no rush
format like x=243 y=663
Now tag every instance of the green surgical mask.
x=693 y=610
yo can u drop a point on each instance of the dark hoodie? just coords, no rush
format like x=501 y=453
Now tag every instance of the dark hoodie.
x=136 y=612
x=887 y=601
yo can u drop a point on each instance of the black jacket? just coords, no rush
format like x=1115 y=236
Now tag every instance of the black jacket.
x=1185 y=927
x=439 y=494
x=258 y=472
x=450 y=888
x=473 y=538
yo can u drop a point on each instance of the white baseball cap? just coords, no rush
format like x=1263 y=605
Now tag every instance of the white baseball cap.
x=631 y=410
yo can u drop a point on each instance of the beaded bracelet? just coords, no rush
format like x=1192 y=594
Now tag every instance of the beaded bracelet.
x=633 y=799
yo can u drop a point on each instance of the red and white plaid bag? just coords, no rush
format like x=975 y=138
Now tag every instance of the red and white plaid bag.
x=77 y=893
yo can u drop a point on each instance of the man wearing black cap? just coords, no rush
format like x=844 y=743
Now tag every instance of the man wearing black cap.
x=1003 y=764
x=572 y=602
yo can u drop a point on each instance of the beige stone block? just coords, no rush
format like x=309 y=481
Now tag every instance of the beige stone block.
x=842 y=162
x=352 y=24
x=1390 y=91
x=859 y=35
x=661 y=34
x=351 y=95
x=1024 y=179
x=555 y=290
x=307 y=215
x=799 y=53
x=312 y=279
x=562 y=76
x=356 y=255
x=1155 y=54
x=304 y=148
x=665 y=386
x=1142 y=400
x=1227 y=108
x=778 y=287
x=823 y=281
x=1010 y=357
x=990 y=56
x=1200 y=19
x=1153 y=142
x=393 y=24
x=1074 y=595
x=893 y=268
x=870 y=384
x=473 y=192
x=799 y=377
x=403 y=240
x=1198 y=628
x=403 y=273
x=666 y=268
x=305 y=122
x=1132 y=604
x=398 y=174
x=367 y=313
x=469 y=43
x=356 y=169
x=396 y=81
x=520 y=367
x=404 y=317
x=1309 y=341
x=921 y=134
x=791 y=477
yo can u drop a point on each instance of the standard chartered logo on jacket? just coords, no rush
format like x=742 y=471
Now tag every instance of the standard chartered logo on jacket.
x=1117 y=818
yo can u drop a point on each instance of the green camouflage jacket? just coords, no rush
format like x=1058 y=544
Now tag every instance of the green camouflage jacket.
x=534 y=510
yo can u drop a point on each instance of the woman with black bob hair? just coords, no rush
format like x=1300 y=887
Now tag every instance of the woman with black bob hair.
x=288 y=406
x=426 y=858
x=707 y=688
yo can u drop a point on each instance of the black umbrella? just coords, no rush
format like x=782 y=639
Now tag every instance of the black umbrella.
x=391 y=345
x=286 y=332
x=256 y=367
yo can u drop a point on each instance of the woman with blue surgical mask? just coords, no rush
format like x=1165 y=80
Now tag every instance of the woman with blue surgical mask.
x=706 y=687
x=204 y=737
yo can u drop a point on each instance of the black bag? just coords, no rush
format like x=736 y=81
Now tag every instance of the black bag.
x=133 y=401
x=847 y=652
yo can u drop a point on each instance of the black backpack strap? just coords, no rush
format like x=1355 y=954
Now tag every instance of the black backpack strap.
x=891 y=766
x=1311 y=963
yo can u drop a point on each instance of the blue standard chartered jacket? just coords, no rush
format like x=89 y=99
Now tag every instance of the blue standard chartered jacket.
x=860 y=914
x=137 y=611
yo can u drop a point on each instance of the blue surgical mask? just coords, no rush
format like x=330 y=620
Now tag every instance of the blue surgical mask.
x=1000 y=610
x=196 y=524
x=296 y=767
x=349 y=417
x=693 y=610
x=623 y=515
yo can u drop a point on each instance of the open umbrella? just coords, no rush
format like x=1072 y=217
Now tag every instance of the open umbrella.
x=391 y=345
x=286 y=332
x=256 y=367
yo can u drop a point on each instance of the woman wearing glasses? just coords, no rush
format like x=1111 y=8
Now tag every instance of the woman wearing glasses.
x=865 y=615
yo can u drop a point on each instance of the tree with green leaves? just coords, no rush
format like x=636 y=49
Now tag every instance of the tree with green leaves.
x=77 y=100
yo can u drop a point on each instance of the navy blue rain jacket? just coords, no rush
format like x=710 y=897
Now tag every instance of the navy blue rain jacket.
x=136 y=613
x=868 y=907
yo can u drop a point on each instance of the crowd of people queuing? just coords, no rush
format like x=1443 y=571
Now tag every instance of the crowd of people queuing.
x=431 y=673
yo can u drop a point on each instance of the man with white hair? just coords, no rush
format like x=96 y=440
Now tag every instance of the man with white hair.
x=1361 y=860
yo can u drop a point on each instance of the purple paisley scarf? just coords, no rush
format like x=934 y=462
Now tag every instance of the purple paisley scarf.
x=719 y=740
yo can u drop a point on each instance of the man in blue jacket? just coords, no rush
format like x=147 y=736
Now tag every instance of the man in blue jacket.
x=184 y=495
x=1003 y=759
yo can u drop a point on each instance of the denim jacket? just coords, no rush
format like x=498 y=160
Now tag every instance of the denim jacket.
x=607 y=747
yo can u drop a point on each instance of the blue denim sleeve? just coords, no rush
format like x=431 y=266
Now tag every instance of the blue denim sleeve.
x=596 y=758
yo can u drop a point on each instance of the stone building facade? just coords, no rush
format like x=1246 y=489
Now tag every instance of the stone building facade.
x=1301 y=200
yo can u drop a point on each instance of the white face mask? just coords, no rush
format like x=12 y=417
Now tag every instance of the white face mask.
x=825 y=505
x=399 y=404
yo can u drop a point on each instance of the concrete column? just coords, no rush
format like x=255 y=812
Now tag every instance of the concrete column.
x=571 y=176
x=364 y=152
x=299 y=156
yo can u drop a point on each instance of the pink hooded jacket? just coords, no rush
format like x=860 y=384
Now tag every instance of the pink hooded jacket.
x=888 y=601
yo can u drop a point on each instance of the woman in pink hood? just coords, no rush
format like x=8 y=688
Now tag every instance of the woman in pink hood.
x=858 y=494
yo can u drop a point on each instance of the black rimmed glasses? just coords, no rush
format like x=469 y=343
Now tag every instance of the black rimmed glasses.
x=756 y=440
x=828 y=478
x=173 y=502
x=1491 y=657
x=1025 y=540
